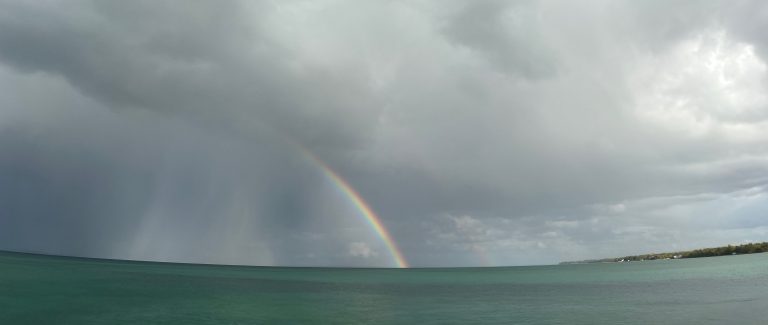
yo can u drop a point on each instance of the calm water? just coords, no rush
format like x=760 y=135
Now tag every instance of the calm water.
x=50 y=290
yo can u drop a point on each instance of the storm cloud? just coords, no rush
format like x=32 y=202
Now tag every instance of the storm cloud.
x=482 y=132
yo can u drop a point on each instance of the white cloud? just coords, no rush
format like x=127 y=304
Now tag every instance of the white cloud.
x=361 y=249
x=707 y=85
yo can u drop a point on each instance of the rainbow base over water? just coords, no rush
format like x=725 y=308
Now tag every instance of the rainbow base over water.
x=365 y=210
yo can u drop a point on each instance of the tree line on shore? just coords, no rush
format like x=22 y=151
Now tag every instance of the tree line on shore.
x=750 y=248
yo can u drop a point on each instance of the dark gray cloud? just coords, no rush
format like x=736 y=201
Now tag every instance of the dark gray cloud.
x=486 y=132
x=506 y=34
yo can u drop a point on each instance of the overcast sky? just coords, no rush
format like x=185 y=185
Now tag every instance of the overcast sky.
x=482 y=132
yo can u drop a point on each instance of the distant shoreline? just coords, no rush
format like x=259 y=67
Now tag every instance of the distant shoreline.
x=751 y=248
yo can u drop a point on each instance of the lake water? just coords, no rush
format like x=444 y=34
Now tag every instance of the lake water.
x=52 y=290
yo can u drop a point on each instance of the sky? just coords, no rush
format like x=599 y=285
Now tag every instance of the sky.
x=481 y=133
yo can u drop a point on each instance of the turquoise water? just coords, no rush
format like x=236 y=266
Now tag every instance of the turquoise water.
x=38 y=289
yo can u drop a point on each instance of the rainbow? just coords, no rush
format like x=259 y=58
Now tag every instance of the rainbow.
x=365 y=210
x=482 y=255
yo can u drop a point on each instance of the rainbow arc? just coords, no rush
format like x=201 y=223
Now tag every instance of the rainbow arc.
x=373 y=220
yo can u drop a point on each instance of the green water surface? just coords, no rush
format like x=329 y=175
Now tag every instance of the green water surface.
x=36 y=289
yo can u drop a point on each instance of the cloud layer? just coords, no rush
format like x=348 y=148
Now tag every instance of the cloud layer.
x=482 y=132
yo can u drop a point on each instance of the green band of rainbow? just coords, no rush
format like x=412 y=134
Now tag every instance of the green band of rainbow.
x=365 y=210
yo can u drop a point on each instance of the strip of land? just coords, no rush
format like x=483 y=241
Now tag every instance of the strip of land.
x=750 y=248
